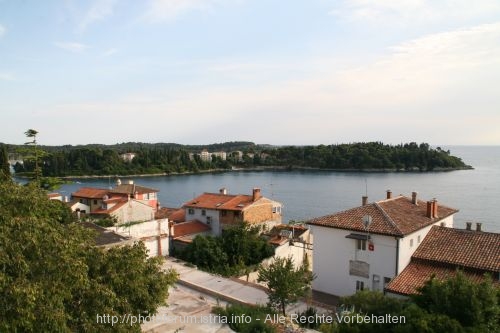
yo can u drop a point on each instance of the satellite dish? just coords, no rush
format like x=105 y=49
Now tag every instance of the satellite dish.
x=367 y=220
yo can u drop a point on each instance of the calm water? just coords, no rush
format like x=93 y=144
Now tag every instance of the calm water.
x=476 y=193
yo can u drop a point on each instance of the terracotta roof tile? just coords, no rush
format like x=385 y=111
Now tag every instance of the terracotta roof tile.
x=90 y=193
x=443 y=251
x=395 y=217
x=220 y=201
x=465 y=248
x=189 y=228
x=173 y=214
x=132 y=189
x=417 y=273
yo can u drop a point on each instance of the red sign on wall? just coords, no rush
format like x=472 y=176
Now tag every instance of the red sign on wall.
x=371 y=246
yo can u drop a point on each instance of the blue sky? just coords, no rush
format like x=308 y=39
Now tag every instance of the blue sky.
x=267 y=71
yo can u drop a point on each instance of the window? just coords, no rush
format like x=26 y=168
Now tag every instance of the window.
x=361 y=244
x=418 y=239
x=203 y=212
x=360 y=285
x=386 y=281
x=411 y=242
x=209 y=220
x=95 y=202
x=190 y=211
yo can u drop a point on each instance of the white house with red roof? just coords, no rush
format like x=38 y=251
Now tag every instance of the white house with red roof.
x=367 y=246
x=218 y=210
x=444 y=251
x=125 y=202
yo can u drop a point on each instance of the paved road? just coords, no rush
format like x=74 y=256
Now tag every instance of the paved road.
x=217 y=286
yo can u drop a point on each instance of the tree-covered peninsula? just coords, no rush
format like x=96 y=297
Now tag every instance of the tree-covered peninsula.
x=166 y=158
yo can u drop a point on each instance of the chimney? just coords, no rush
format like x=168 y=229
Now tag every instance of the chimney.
x=414 y=199
x=478 y=226
x=435 y=208
x=468 y=225
x=256 y=194
x=429 y=209
x=389 y=194
x=223 y=191
x=364 y=200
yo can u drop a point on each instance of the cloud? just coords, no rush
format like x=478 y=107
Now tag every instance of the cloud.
x=411 y=12
x=440 y=88
x=7 y=77
x=3 y=30
x=99 y=10
x=71 y=46
x=169 y=10
x=110 y=52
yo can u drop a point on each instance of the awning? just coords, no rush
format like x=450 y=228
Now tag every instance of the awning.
x=358 y=236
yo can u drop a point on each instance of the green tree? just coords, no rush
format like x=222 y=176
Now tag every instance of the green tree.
x=54 y=279
x=31 y=133
x=470 y=303
x=285 y=283
x=4 y=163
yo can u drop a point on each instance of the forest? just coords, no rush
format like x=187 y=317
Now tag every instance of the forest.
x=166 y=158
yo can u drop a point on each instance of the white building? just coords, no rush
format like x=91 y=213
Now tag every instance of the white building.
x=365 y=247
x=221 y=154
x=154 y=234
x=128 y=157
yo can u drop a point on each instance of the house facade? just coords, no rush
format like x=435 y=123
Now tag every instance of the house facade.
x=219 y=210
x=125 y=202
x=144 y=194
x=367 y=246
x=446 y=250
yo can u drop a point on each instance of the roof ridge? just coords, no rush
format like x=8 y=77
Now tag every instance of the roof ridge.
x=388 y=217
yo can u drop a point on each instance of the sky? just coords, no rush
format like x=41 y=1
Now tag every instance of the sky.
x=267 y=71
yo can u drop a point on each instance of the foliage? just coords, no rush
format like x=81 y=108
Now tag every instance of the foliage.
x=478 y=302
x=31 y=163
x=105 y=221
x=257 y=314
x=4 y=164
x=285 y=283
x=455 y=305
x=238 y=247
x=307 y=313
x=169 y=158
x=53 y=277
x=373 y=302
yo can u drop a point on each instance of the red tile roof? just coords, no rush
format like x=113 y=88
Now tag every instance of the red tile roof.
x=54 y=195
x=443 y=251
x=395 y=217
x=465 y=248
x=189 y=228
x=173 y=214
x=417 y=273
x=90 y=193
x=132 y=189
x=220 y=201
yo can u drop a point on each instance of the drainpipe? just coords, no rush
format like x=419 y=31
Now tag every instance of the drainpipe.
x=397 y=256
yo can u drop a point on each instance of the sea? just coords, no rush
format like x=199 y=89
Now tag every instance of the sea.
x=308 y=194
